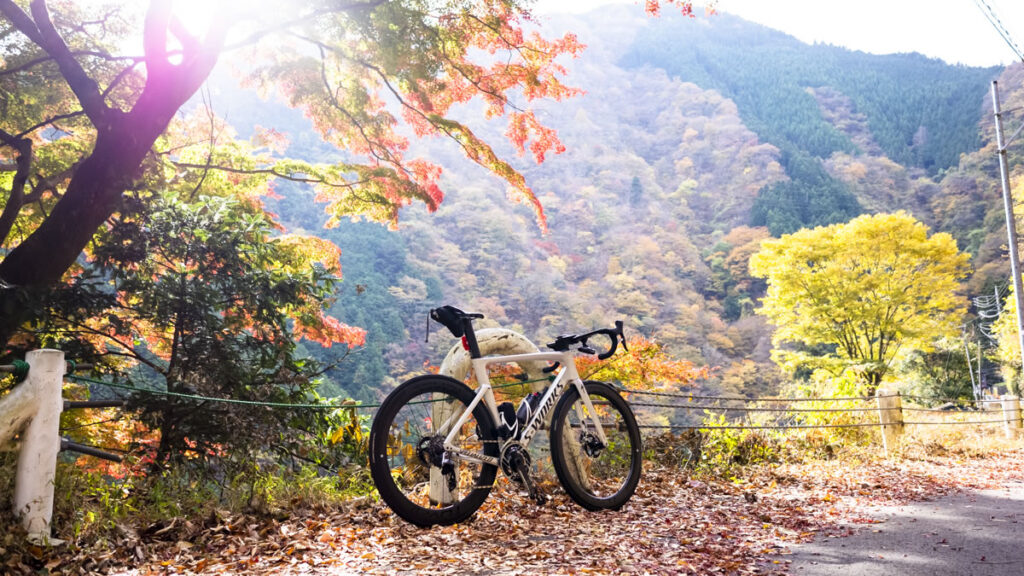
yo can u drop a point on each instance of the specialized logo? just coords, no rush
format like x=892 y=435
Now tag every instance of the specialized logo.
x=542 y=411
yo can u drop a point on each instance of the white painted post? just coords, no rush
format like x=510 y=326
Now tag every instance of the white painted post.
x=1011 y=414
x=16 y=408
x=40 y=442
x=890 y=415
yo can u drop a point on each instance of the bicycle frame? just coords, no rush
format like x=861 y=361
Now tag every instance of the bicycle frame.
x=566 y=376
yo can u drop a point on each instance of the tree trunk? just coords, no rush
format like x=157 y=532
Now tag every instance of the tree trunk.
x=93 y=194
x=123 y=140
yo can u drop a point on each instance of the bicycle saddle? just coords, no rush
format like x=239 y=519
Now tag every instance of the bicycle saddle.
x=453 y=319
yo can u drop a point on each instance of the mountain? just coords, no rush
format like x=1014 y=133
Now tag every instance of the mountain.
x=694 y=140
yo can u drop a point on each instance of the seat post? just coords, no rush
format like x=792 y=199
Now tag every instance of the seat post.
x=470 y=336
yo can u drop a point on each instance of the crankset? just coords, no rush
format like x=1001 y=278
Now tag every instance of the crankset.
x=516 y=464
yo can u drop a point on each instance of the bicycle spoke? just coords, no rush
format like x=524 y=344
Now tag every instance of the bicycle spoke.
x=417 y=474
x=597 y=474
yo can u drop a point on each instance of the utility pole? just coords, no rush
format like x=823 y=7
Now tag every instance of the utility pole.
x=970 y=368
x=981 y=381
x=1011 y=224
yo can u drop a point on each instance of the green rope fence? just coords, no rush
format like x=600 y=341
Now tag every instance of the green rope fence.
x=286 y=405
x=360 y=406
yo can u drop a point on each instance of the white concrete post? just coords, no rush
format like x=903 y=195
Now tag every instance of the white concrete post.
x=1011 y=414
x=890 y=415
x=40 y=442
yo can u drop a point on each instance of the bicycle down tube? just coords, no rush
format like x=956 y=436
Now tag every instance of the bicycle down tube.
x=566 y=376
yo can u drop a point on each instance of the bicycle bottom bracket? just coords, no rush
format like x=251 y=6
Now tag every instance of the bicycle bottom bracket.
x=515 y=459
x=430 y=450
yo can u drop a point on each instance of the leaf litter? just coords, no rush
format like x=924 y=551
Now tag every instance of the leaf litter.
x=675 y=524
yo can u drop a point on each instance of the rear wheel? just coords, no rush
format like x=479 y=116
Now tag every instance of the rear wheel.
x=596 y=475
x=414 y=474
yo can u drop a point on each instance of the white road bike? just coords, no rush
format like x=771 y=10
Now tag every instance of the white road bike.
x=436 y=444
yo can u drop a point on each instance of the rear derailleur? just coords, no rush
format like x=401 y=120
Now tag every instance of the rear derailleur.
x=431 y=452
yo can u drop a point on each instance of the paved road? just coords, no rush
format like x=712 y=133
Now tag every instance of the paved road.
x=978 y=533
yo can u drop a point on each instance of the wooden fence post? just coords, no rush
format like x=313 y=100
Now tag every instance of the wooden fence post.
x=1011 y=414
x=40 y=443
x=890 y=415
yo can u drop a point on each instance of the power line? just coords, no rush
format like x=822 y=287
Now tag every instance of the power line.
x=993 y=19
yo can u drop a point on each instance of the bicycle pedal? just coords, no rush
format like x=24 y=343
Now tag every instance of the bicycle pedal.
x=539 y=496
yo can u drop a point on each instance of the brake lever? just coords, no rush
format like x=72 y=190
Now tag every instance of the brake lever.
x=617 y=337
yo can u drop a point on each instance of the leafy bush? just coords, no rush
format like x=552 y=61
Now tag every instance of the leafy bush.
x=723 y=448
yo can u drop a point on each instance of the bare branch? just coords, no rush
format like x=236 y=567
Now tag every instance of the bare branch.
x=311 y=16
x=126 y=346
x=377 y=150
x=77 y=53
x=48 y=184
x=188 y=41
x=209 y=154
x=270 y=172
x=84 y=87
x=394 y=92
x=512 y=46
x=154 y=36
x=168 y=87
x=16 y=199
x=21 y=21
x=35 y=195
x=469 y=77
x=398 y=95
x=120 y=76
x=49 y=121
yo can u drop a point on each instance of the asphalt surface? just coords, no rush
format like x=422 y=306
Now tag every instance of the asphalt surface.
x=978 y=533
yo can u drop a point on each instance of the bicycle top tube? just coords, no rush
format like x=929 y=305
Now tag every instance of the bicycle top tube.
x=525 y=357
x=460 y=324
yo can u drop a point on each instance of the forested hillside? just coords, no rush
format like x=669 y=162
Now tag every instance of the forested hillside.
x=695 y=140
x=222 y=233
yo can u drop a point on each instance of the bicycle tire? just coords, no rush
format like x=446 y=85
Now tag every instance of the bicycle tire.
x=596 y=477
x=407 y=477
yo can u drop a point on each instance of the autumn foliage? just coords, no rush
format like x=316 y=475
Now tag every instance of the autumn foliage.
x=645 y=365
x=869 y=289
x=92 y=121
x=134 y=228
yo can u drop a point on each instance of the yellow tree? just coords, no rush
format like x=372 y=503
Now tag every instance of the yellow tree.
x=1008 y=353
x=862 y=292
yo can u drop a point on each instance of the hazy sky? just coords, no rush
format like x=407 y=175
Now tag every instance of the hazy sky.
x=954 y=30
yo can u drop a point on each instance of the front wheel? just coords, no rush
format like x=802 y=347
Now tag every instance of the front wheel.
x=597 y=475
x=415 y=475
